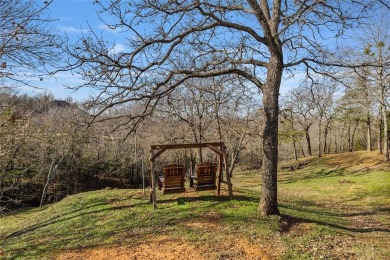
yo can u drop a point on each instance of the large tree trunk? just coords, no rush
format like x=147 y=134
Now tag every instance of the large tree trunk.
x=308 y=141
x=302 y=150
x=385 y=138
x=295 y=151
x=325 y=148
x=330 y=142
x=385 y=133
x=268 y=200
x=381 y=81
x=336 y=145
x=320 y=138
x=380 y=132
x=293 y=139
x=349 y=138
x=326 y=133
x=368 y=122
x=352 y=144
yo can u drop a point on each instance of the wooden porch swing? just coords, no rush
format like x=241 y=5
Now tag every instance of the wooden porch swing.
x=176 y=172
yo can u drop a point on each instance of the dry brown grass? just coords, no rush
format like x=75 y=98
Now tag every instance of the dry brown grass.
x=169 y=248
x=358 y=161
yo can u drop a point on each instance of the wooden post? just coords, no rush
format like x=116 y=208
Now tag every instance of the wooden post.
x=220 y=173
x=153 y=180
x=229 y=183
x=143 y=172
x=150 y=176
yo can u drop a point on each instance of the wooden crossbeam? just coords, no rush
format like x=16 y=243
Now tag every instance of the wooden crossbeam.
x=215 y=149
x=157 y=154
x=181 y=146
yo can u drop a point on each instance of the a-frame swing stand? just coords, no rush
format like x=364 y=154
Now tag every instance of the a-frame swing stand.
x=218 y=147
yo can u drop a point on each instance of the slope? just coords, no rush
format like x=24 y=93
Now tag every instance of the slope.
x=333 y=207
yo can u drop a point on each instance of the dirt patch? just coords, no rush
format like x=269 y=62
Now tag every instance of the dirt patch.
x=254 y=251
x=293 y=227
x=170 y=248
x=203 y=225
x=242 y=248
x=207 y=221
x=160 y=248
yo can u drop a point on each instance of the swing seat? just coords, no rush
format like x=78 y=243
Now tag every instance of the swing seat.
x=173 y=178
x=205 y=177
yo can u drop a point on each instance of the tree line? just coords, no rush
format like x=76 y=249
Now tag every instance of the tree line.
x=50 y=150
x=196 y=70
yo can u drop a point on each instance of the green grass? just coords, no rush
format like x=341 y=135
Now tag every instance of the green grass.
x=347 y=208
x=328 y=210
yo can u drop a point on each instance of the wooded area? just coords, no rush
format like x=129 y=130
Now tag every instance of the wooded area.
x=202 y=71
x=47 y=146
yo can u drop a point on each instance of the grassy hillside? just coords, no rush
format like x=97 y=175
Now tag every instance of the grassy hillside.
x=335 y=207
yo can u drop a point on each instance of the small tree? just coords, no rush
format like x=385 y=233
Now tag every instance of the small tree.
x=300 y=103
x=321 y=93
x=192 y=104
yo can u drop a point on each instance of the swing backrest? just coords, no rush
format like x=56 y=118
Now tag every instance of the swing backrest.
x=174 y=176
x=206 y=173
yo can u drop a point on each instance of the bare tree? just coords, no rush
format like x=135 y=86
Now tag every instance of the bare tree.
x=321 y=93
x=171 y=42
x=60 y=138
x=377 y=53
x=385 y=3
x=299 y=101
x=28 y=48
x=237 y=118
x=193 y=104
x=288 y=132
x=359 y=98
x=350 y=113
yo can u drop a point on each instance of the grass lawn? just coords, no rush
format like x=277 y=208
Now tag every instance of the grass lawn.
x=335 y=207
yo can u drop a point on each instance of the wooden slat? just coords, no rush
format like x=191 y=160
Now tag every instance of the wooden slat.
x=167 y=191
x=206 y=175
x=173 y=177
x=181 y=146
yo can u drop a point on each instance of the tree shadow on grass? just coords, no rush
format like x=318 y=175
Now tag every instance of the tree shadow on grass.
x=323 y=173
x=205 y=198
x=73 y=213
x=328 y=218
x=68 y=216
